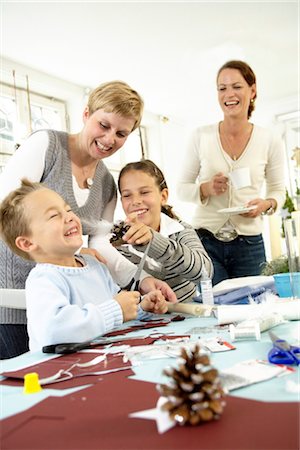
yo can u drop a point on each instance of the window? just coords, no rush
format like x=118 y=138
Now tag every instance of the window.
x=291 y=134
x=20 y=114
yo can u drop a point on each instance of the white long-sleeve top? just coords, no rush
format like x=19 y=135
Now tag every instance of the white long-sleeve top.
x=263 y=155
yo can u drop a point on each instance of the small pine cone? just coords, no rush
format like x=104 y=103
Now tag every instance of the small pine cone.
x=118 y=231
x=194 y=394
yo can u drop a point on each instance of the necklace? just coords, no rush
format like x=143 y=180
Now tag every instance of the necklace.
x=243 y=141
x=89 y=182
x=83 y=171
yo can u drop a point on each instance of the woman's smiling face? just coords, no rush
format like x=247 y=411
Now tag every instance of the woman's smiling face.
x=234 y=93
x=141 y=195
x=104 y=132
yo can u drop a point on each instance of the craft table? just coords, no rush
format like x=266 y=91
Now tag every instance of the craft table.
x=95 y=416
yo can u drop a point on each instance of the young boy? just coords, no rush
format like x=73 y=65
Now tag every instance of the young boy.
x=69 y=297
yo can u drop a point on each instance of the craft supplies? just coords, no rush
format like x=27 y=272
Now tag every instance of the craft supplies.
x=195 y=309
x=194 y=394
x=288 y=308
x=249 y=372
x=251 y=329
x=31 y=383
x=247 y=332
x=282 y=352
x=206 y=289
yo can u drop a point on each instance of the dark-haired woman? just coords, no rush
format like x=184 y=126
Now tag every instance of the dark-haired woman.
x=233 y=239
x=175 y=255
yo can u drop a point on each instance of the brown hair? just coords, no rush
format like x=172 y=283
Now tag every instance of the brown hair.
x=248 y=75
x=117 y=97
x=149 y=167
x=13 y=217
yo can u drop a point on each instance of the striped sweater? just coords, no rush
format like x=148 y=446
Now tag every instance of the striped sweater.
x=176 y=255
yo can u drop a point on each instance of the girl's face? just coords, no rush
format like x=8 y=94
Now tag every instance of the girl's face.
x=234 y=93
x=104 y=133
x=141 y=195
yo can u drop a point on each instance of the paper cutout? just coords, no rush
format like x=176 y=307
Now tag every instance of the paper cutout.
x=57 y=366
x=144 y=325
x=67 y=368
x=162 y=418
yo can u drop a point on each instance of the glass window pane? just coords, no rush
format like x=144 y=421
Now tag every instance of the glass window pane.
x=45 y=117
x=8 y=123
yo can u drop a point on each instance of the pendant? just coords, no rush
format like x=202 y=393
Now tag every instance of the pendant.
x=89 y=182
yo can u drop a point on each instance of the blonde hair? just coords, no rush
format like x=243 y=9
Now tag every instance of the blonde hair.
x=13 y=218
x=117 y=97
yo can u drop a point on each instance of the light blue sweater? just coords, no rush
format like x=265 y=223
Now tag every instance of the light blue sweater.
x=71 y=304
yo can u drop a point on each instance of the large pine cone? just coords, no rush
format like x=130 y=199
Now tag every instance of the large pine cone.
x=195 y=394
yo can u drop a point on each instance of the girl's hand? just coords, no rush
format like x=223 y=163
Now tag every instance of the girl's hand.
x=218 y=185
x=138 y=233
x=93 y=252
x=128 y=300
x=154 y=302
x=149 y=284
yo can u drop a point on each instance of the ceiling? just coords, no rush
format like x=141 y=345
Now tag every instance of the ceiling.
x=169 y=51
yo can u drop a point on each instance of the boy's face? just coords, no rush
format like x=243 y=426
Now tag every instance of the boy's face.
x=55 y=231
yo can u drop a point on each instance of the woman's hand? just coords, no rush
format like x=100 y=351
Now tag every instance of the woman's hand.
x=138 y=233
x=261 y=207
x=154 y=302
x=218 y=185
x=93 y=252
x=149 y=284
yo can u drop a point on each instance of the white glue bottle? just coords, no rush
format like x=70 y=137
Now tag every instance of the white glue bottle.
x=206 y=288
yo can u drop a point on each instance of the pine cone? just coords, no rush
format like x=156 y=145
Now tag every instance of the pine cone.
x=118 y=231
x=195 y=394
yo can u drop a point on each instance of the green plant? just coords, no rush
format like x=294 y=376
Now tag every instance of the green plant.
x=277 y=265
x=288 y=204
x=286 y=210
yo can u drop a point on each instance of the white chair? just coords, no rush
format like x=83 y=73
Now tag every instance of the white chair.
x=13 y=298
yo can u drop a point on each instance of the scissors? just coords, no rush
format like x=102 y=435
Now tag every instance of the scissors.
x=282 y=352
x=134 y=283
x=72 y=347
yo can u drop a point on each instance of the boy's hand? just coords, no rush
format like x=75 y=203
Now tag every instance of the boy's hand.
x=128 y=300
x=149 y=284
x=154 y=302
x=138 y=233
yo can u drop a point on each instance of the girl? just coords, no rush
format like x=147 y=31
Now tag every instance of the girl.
x=175 y=253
